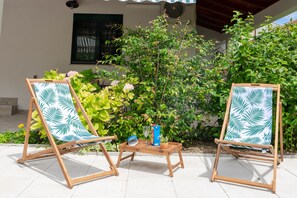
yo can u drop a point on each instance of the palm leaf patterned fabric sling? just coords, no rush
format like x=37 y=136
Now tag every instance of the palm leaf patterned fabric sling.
x=250 y=119
x=60 y=115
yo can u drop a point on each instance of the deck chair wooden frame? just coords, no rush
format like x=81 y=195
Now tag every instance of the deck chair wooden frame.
x=271 y=157
x=59 y=150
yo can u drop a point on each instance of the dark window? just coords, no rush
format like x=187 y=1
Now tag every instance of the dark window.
x=90 y=31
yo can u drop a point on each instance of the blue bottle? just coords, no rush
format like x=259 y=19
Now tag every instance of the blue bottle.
x=157 y=134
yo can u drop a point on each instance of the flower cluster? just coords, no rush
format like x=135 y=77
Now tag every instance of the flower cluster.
x=128 y=87
x=114 y=83
x=21 y=126
x=71 y=73
x=22 y=129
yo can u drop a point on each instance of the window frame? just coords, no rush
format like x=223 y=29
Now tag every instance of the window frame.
x=102 y=23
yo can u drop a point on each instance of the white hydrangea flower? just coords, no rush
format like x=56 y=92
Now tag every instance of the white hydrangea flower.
x=71 y=73
x=115 y=82
x=67 y=79
x=128 y=87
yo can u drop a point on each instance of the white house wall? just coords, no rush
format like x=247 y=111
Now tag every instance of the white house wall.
x=140 y=14
x=37 y=35
x=1 y=12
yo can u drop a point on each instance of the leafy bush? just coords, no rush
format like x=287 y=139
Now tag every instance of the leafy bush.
x=167 y=60
x=18 y=137
x=12 y=137
x=270 y=57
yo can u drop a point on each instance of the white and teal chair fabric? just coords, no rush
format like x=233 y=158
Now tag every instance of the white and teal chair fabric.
x=53 y=100
x=250 y=118
x=247 y=130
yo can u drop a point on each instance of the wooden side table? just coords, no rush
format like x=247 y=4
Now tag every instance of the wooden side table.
x=141 y=147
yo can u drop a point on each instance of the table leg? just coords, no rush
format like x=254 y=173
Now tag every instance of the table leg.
x=181 y=159
x=119 y=158
x=132 y=157
x=169 y=165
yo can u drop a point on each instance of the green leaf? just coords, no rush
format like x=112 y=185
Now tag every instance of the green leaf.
x=130 y=95
x=104 y=116
x=36 y=126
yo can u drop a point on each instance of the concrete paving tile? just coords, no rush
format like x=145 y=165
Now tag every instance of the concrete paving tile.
x=32 y=169
x=242 y=169
x=232 y=168
x=286 y=183
x=52 y=171
x=255 y=171
x=13 y=186
x=47 y=188
x=150 y=189
x=6 y=162
x=290 y=164
x=234 y=190
x=74 y=168
x=9 y=155
x=228 y=166
x=193 y=162
x=101 y=162
x=207 y=160
x=11 y=150
x=198 y=188
x=3 y=146
x=261 y=170
x=155 y=166
x=143 y=169
x=14 y=152
x=194 y=170
x=106 y=187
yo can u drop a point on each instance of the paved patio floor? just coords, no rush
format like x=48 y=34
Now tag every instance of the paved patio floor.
x=146 y=176
x=10 y=123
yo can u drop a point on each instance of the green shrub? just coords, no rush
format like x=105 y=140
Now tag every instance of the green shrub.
x=167 y=60
x=270 y=57
x=18 y=137
x=12 y=137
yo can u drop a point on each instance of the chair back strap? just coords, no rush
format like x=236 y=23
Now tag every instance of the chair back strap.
x=60 y=115
x=250 y=118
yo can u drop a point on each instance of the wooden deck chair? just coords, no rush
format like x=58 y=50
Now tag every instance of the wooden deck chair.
x=53 y=100
x=249 y=123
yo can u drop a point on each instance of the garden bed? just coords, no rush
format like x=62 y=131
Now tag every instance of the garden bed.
x=198 y=146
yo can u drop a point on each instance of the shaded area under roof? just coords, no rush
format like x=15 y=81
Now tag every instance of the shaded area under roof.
x=215 y=14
